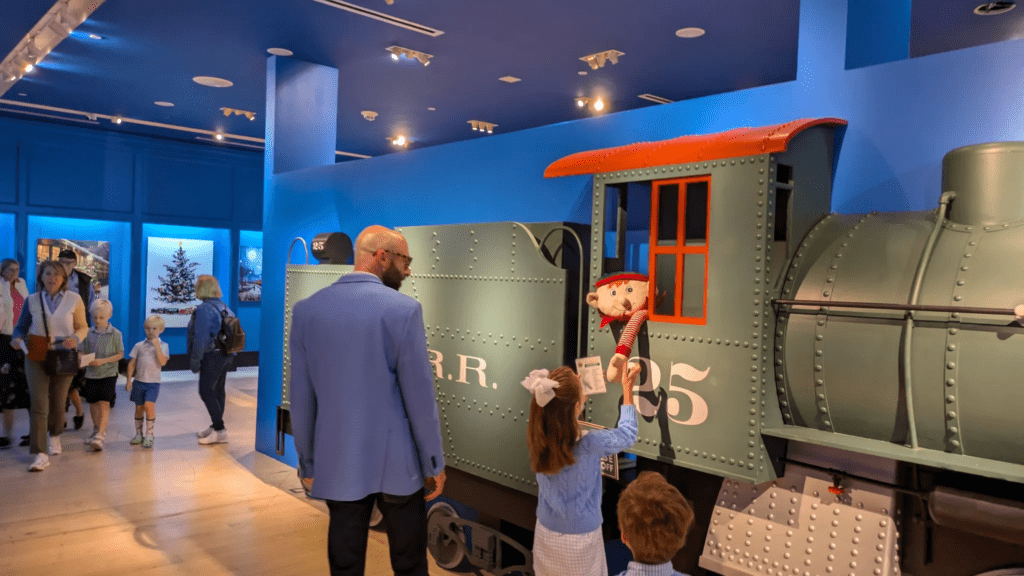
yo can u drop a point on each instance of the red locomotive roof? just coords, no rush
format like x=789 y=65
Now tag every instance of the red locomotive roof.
x=738 y=142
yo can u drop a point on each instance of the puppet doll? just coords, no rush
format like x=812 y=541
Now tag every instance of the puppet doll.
x=621 y=297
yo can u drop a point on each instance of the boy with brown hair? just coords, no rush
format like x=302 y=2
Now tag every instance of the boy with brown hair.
x=653 y=519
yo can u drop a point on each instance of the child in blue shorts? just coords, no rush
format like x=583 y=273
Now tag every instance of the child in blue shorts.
x=147 y=358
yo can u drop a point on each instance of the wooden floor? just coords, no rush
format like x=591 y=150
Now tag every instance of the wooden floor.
x=178 y=508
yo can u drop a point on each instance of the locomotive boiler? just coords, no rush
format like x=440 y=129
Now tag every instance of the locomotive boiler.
x=848 y=381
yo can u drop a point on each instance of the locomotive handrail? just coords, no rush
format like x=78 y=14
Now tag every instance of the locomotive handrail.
x=915 y=293
x=900 y=307
x=305 y=248
x=579 y=281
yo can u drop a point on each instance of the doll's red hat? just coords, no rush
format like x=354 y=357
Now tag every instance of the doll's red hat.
x=621 y=277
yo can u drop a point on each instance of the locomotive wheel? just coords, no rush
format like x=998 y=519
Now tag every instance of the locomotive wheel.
x=448 y=552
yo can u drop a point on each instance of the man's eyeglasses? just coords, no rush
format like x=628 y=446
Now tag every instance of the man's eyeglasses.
x=408 y=259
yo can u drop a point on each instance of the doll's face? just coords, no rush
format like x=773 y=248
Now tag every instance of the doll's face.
x=619 y=298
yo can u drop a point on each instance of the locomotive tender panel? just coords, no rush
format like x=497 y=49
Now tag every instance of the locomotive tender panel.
x=494 y=309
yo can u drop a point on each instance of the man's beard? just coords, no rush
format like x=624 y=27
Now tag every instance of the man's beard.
x=392 y=277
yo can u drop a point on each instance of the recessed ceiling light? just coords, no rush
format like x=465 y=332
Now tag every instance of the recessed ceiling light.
x=95 y=36
x=994 y=8
x=582 y=72
x=431 y=108
x=116 y=119
x=280 y=51
x=599 y=105
x=690 y=32
x=510 y=79
x=29 y=67
x=213 y=82
x=164 y=104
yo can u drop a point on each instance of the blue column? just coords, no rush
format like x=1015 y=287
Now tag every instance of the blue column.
x=302 y=121
x=302 y=115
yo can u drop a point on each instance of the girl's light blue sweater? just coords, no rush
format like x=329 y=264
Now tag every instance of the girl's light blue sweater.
x=569 y=502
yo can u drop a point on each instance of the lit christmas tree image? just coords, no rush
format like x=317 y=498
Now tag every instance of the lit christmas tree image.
x=179 y=285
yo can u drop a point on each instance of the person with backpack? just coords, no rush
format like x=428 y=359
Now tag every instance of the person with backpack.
x=210 y=355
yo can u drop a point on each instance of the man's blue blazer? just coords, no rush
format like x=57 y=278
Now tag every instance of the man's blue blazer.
x=364 y=414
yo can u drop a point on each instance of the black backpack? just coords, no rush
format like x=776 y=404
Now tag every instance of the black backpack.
x=231 y=338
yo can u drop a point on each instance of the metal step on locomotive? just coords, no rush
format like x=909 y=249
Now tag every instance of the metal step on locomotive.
x=837 y=394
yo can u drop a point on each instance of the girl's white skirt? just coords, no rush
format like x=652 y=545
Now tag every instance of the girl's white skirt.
x=557 y=554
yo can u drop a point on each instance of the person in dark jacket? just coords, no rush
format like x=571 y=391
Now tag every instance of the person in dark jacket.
x=206 y=360
x=80 y=283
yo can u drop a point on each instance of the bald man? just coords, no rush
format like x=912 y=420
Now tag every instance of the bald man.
x=364 y=415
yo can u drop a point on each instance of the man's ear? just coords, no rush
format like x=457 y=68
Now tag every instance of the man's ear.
x=623 y=537
x=592 y=299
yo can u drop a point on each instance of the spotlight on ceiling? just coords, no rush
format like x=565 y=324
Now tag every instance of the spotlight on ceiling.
x=399 y=141
x=229 y=111
x=219 y=136
x=482 y=126
x=29 y=67
x=596 y=104
x=398 y=52
x=598 y=59
x=116 y=120
x=370 y=115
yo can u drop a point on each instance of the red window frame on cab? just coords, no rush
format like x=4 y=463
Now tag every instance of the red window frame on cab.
x=679 y=250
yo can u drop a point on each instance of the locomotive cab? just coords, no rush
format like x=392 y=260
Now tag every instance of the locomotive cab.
x=711 y=220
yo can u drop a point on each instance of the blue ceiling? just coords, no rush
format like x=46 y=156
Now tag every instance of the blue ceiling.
x=151 y=50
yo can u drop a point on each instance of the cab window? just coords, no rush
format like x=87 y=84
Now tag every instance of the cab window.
x=680 y=216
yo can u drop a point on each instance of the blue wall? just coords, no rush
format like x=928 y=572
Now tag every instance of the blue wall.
x=904 y=115
x=70 y=182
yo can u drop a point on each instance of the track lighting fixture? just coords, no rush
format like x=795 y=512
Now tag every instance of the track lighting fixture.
x=229 y=111
x=116 y=119
x=482 y=126
x=397 y=52
x=596 y=104
x=598 y=59
x=58 y=22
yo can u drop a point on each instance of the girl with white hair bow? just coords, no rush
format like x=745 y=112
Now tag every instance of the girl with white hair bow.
x=567 y=538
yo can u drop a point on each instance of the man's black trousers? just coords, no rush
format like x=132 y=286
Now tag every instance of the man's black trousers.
x=405 y=520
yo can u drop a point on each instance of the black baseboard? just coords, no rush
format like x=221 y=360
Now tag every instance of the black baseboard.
x=242 y=360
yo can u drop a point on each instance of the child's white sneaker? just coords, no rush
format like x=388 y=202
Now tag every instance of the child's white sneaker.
x=97 y=443
x=205 y=433
x=55 y=447
x=147 y=442
x=41 y=461
x=91 y=436
x=137 y=440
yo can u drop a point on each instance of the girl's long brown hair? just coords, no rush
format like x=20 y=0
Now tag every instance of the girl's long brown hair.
x=553 y=430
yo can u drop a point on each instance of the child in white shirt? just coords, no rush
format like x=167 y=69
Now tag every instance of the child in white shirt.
x=147 y=358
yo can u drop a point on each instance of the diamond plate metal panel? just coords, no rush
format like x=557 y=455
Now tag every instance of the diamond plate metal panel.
x=796 y=527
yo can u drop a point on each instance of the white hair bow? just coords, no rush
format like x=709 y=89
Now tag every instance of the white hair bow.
x=541 y=386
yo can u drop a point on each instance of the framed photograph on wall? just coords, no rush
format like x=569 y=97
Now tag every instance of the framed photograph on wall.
x=93 y=259
x=250 y=274
x=173 y=264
